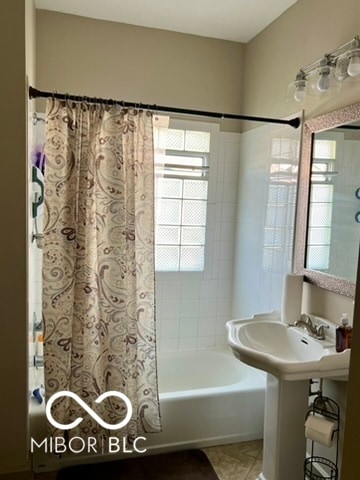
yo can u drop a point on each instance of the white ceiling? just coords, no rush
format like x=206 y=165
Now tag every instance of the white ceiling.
x=236 y=20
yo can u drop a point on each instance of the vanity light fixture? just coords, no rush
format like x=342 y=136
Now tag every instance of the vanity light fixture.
x=328 y=72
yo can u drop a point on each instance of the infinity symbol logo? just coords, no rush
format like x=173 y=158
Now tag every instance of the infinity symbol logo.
x=94 y=415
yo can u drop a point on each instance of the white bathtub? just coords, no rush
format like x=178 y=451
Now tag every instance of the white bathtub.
x=207 y=397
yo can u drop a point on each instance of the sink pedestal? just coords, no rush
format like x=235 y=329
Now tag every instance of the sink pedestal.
x=286 y=404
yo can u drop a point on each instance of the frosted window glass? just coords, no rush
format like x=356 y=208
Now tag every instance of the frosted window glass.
x=175 y=139
x=197 y=141
x=324 y=149
x=320 y=214
x=167 y=258
x=170 y=187
x=169 y=211
x=188 y=140
x=318 y=257
x=193 y=235
x=195 y=189
x=321 y=193
x=167 y=235
x=319 y=236
x=194 y=212
x=192 y=258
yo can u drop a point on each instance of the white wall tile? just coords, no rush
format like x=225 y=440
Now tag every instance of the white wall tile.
x=168 y=344
x=170 y=327
x=207 y=326
x=170 y=308
x=189 y=305
x=171 y=289
x=208 y=289
x=258 y=267
x=206 y=342
x=207 y=307
x=188 y=343
x=188 y=327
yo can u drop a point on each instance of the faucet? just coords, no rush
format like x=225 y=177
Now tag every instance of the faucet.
x=306 y=323
x=320 y=334
x=316 y=331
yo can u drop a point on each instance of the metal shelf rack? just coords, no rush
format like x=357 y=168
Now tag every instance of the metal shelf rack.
x=316 y=467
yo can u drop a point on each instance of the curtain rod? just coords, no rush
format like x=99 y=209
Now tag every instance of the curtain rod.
x=35 y=93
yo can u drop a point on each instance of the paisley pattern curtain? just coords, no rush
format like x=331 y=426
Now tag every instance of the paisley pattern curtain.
x=98 y=266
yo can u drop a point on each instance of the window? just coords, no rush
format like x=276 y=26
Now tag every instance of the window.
x=321 y=204
x=182 y=186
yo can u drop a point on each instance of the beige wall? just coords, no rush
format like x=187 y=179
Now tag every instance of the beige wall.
x=105 y=59
x=13 y=272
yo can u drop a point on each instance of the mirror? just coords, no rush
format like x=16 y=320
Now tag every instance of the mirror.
x=328 y=214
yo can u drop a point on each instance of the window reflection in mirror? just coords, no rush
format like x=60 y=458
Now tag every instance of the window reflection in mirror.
x=333 y=228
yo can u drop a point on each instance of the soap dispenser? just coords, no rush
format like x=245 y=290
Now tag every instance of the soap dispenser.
x=343 y=334
x=348 y=335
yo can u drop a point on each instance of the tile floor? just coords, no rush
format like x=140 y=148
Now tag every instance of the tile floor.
x=237 y=461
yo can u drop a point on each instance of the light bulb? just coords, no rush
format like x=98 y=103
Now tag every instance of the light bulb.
x=300 y=94
x=341 y=69
x=323 y=83
x=300 y=86
x=354 y=64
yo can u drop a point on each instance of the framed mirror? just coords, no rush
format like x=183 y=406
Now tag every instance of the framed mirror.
x=328 y=212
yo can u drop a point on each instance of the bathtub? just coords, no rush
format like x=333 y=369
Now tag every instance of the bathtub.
x=207 y=397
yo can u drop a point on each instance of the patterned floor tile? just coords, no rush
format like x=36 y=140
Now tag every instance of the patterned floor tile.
x=240 y=461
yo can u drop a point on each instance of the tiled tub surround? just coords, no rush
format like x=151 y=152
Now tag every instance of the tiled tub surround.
x=265 y=217
x=220 y=401
x=193 y=307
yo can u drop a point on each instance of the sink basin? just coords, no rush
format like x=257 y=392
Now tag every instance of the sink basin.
x=289 y=353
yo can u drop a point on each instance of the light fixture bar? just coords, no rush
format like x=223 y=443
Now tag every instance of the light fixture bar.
x=334 y=54
x=333 y=68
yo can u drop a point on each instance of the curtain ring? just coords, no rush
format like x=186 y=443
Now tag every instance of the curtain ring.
x=122 y=108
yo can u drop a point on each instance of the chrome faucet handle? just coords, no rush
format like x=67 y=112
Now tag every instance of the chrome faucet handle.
x=320 y=333
x=305 y=318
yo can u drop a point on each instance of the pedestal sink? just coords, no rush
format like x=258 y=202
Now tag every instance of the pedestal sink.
x=291 y=358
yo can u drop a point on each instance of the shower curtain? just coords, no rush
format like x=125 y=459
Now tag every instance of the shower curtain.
x=98 y=266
